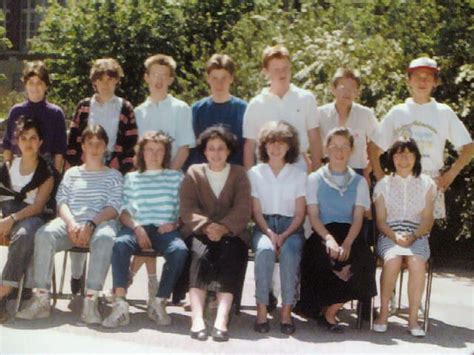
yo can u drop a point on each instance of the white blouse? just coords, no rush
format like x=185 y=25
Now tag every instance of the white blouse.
x=405 y=198
x=277 y=194
x=19 y=181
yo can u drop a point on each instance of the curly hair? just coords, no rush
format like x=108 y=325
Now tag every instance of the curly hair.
x=156 y=137
x=217 y=131
x=279 y=131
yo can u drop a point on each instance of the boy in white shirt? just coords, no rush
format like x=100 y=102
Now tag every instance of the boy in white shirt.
x=283 y=101
x=430 y=124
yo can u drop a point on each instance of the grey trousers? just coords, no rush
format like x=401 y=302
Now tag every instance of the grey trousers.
x=52 y=238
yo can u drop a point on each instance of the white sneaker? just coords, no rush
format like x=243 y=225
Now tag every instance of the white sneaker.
x=158 y=312
x=39 y=307
x=119 y=315
x=417 y=332
x=379 y=328
x=90 y=311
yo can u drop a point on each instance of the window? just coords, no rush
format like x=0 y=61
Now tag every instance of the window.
x=29 y=21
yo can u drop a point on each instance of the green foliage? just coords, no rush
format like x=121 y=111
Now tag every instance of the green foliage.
x=378 y=37
x=4 y=42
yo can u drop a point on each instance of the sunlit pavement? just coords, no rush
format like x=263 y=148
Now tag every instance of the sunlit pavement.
x=451 y=327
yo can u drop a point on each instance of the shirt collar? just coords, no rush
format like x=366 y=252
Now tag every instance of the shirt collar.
x=410 y=101
x=266 y=92
x=334 y=114
x=114 y=100
x=149 y=101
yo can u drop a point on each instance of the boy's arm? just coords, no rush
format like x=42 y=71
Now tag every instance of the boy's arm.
x=316 y=148
x=180 y=158
x=465 y=156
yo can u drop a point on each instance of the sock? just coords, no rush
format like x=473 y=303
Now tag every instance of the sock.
x=42 y=293
x=92 y=294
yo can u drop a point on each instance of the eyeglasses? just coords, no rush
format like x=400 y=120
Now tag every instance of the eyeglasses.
x=342 y=148
x=406 y=155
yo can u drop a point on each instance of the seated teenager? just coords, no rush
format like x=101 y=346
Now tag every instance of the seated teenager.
x=150 y=220
x=88 y=200
x=337 y=264
x=215 y=209
x=116 y=116
x=26 y=186
x=278 y=198
x=404 y=201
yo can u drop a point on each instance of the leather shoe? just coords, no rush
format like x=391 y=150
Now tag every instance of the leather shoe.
x=332 y=327
x=219 y=335
x=287 y=328
x=262 y=327
x=200 y=335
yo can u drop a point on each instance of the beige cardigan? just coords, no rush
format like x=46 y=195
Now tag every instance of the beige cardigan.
x=200 y=207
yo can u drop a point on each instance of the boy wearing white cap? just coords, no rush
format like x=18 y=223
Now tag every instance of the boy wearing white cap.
x=430 y=124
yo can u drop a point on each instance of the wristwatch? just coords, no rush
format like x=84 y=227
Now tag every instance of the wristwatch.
x=91 y=224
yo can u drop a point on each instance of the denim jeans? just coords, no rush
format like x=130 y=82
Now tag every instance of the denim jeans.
x=21 y=246
x=265 y=257
x=171 y=245
x=52 y=238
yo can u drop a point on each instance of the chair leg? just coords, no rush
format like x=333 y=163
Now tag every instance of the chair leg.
x=400 y=290
x=359 y=315
x=20 y=291
x=429 y=283
x=372 y=306
x=83 y=277
x=55 y=291
x=63 y=274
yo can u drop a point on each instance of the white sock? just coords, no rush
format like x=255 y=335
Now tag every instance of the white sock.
x=42 y=293
x=161 y=299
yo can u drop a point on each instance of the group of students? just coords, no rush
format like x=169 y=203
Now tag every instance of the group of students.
x=187 y=182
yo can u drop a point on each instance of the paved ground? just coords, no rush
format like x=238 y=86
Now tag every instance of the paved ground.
x=451 y=328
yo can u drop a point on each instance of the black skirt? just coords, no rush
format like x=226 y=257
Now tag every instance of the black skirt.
x=320 y=286
x=217 y=266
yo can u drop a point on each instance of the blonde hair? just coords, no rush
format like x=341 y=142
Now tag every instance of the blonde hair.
x=161 y=59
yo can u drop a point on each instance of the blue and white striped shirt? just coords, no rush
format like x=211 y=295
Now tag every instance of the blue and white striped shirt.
x=86 y=193
x=152 y=197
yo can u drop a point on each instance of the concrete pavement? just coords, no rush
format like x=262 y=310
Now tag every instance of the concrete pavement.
x=451 y=327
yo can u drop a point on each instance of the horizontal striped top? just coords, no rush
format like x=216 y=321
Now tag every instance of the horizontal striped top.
x=152 y=197
x=87 y=193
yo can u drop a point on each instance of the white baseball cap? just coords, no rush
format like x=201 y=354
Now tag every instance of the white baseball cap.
x=423 y=62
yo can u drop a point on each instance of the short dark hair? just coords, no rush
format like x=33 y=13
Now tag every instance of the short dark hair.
x=342 y=132
x=156 y=137
x=36 y=68
x=400 y=145
x=24 y=124
x=217 y=131
x=279 y=131
x=94 y=130
x=106 y=66
x=220 y=61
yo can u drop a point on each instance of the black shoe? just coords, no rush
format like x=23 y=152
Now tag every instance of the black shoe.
x=272 y=305
x=220 y=335
x=76 y=285
x=262 y=327
x=25 y=295
x=332 y=327
x=201 y=335
x=4 y=316
x=287 y=328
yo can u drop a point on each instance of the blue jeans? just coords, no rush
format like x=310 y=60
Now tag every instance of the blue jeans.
x=265 y=257
x=169 y=244
x=52 y=238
